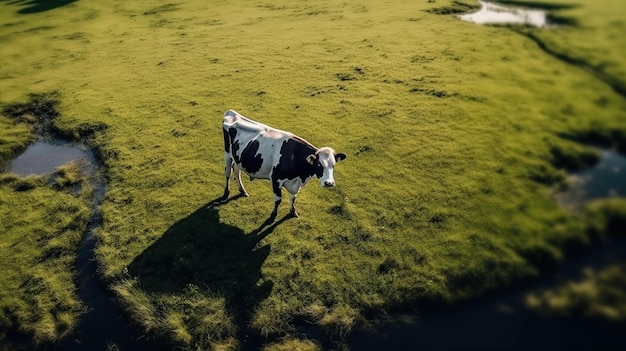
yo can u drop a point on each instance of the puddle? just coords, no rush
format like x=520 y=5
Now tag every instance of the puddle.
x=491 y=13
x=605 y=180
x=44 y=157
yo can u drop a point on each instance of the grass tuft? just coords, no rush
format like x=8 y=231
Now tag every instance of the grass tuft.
x=290 y=344
x=599 y=294
x=339 y=321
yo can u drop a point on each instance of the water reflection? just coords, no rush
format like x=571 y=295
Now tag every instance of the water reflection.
x=504 y=321
x=44 y=157
x=607 y=179
x=491 y=13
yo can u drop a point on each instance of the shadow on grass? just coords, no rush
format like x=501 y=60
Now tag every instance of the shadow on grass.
x=212 y=255
x=35 y=6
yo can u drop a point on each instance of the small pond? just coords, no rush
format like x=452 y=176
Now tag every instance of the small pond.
x=491 y=13
x=44 y=157
x=605 y=180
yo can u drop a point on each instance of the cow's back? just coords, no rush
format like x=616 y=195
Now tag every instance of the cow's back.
x=254 y=146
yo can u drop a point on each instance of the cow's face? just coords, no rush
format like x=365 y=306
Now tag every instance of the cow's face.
x=324 y=160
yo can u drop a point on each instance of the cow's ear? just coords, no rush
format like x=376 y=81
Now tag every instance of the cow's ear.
x=311 y=158
x=340 y=156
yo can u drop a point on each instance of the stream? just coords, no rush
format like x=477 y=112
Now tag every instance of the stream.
x=104 y=324
x=502 y=321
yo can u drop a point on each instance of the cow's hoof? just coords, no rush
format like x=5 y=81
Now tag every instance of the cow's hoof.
x=244 y=194
x=294 y=214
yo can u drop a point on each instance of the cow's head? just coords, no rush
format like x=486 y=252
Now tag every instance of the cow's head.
x=324 y=161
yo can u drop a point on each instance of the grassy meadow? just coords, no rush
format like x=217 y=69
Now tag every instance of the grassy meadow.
x=457 y=135
x=42 y=226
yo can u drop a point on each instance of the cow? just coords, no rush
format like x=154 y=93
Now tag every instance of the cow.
x=263 y=152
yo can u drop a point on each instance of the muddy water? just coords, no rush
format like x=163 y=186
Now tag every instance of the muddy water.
x=104 y=324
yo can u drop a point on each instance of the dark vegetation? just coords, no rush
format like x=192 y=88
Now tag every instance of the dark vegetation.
x=456 y=7
x=562 y=20
x=35 y=6
x=41 y=110
x=572 y=159
x=607 y=138
x=539 y=5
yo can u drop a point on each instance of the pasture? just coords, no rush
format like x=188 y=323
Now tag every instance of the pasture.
x=458 y=136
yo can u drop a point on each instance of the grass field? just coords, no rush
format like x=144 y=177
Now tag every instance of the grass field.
x=457 y=137
x=42 y=227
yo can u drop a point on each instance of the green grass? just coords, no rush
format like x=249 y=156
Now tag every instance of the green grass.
x=599 y=294
x=456 y=136
x=595 y=38
x=41 y=229
x=43 y=219
x=293 y=345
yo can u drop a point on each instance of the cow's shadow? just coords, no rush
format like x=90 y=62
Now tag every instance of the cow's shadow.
x=212 y=255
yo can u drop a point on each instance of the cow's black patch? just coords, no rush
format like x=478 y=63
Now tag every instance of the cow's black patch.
x=226 y=141
x=232 y=133
x=251 y=160
x=293 y=163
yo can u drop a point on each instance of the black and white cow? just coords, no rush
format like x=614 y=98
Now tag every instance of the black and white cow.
x=263 y=152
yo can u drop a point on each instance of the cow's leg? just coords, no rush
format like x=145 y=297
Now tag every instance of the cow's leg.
x=293 y=212
x=242 y=190
x=277 y=199
x=227 y=170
